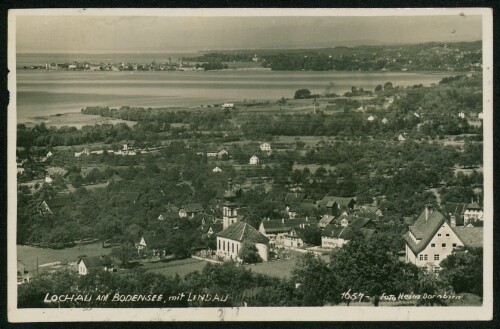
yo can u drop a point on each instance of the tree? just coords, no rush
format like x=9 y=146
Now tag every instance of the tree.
x=378 y=88
x=463 y=270
x=372 y=267
x=249 y=253
x=125 y=253
x=316 y=283
x=388 y=86
x=302 y=94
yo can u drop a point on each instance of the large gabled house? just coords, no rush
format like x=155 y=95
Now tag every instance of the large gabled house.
x=230 y=241
x=431 y=239
x=333 y=204
x=96 y=263
x=337 y=234
x=276 y=230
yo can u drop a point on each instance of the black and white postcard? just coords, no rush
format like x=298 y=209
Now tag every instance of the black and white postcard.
x=250 y=165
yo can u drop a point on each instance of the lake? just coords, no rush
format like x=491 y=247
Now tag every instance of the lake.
x=43 y=93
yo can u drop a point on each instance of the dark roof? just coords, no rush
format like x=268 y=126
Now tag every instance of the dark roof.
x=329 y=200
x=294 y=198
x=457 y=210
x=154 y=240
x=193 y=207
x=96 y=261
x=58 y=202
x=283 y=226
x=216 y=227
x=299 y=232
x=242 y=232
x=474 y=206
x=470 y=236
x=346 y=232
x=424 y=230
x=359 y=222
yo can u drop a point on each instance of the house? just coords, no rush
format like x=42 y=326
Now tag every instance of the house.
x=265 y=147
x=480 y=115
x=461 y=115
x=83 y=152
x=209 y=229
x=325 y=221
x=372 y=210
x=401 y=138
x=338 y=236
x=51 y=172
x=216 y=170
x=334 y=204
x=50 y=206
x=49 y=154
x=294 y=239
x=371 y=118
x=230 y=241
x=222 y=153
x=254 y=160
x=276 y=230
x=97 y=263
x=212 y=154
x=385 y=121
x=473 y=213
x=431 y=239
x=23 y=275
x=228 y=106
x=190 y=210
x=153 y=244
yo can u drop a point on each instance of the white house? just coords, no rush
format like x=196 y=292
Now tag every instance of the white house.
x=228 y=106
x=371 y=118
x=87 y=264
x=254 y=160
x=49 y=154
x=216 y=170
x=266 y=147
x=480 y=115
x=461 y=115
x=385 y=121
x=473 y=212
x=431 y=239
x=230 y=241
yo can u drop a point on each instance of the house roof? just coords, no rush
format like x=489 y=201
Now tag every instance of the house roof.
x=56 y=171
x=424 y=230
x=329 y=200
x=283 y=226
x=474 y=206
x=242 y=232
x=326 y=219
x=96 y=261
x=294 y=197
x=193 y=207
x=154 y=240
x=58 y=202
x=346 y=233
x=470 y=236
x=216 y=227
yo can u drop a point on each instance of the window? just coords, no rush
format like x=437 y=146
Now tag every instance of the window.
x=439 y=234
x=232 y=247
x=436 y=257
x=436 y=269
x=447 y=234
x=433 y=244
x=444 y=245
x=426 y=257
x=454 y=245
x=421 y=257
x=219 y=245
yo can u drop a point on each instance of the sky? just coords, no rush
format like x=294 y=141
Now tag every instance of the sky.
x=103 y=34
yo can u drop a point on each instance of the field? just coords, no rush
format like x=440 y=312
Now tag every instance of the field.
x=280 y=269
x=29 y=255
x=181 y=267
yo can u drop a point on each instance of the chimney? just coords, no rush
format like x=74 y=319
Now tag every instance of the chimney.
x=428 y=211
x=453 y=220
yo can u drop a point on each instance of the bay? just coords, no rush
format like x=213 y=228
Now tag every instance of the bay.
x=44 y=93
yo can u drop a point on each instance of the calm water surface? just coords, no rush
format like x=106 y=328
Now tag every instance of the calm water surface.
x=42 y=93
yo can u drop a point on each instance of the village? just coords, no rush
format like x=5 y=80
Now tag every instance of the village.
x=260 y=185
